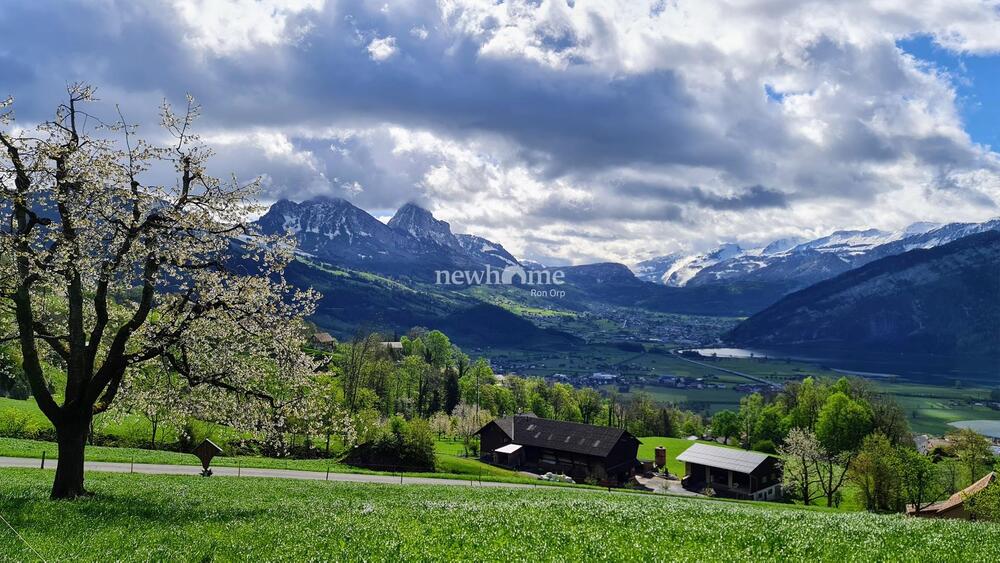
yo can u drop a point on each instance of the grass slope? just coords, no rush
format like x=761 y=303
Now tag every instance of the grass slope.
x=189 y=518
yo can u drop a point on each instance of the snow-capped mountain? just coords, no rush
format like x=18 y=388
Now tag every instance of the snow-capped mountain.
x=332 y=228
x=486 y=251
x=849 y=243
x=532 y=265
x=781 y=245
x=414 y=241
x=940 y=301
x=420 y=224
x=684 y=269
x=652 y=270
x=936 y=235
x=797 y=263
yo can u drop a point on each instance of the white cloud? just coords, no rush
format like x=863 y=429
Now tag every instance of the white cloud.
x=574 y=131
x=382 y=49
x=419 y=32
x=227 y=27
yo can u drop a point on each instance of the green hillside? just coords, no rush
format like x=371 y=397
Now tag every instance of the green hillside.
x=939 y=302
x=136 y=517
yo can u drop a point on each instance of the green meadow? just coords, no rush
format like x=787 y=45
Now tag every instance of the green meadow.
x=144 y=517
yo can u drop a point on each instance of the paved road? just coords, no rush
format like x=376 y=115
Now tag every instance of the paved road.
x=730 y=371
x=254 y=472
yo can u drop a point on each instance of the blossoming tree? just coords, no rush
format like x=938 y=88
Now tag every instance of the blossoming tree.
x=105 y=267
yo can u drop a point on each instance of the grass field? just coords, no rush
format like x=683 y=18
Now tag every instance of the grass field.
x=134 y=517
x=714 y=400
x=131 y=428
x=674 y=447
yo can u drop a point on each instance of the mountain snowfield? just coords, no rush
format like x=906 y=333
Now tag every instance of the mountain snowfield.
x=800 y=262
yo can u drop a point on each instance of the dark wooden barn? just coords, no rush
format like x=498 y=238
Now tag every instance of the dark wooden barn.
x=582 y=451
x=731 y=473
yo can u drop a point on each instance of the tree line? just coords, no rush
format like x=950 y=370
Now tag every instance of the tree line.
x=829 y=434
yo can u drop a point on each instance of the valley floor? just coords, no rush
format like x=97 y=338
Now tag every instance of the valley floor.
x=158 y=517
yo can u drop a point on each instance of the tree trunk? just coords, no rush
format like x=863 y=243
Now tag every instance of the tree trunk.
x=72 y=438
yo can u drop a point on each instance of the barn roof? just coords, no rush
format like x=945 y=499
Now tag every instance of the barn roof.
x=562 y=436
x=323 y=338
x=723 y=458
x=956 y=499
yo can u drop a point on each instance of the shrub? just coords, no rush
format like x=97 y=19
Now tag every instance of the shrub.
x=12 y=381
x=400 y=445
x=14 y=423
x=985 y=505
x=766 y=446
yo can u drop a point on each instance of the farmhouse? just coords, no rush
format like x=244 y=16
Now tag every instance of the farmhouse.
x=582 y=451
x=928 y=444
x=324 y=340
x=954 y=506
x=731 y=473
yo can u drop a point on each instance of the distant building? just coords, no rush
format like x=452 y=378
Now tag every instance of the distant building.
x=954 y=507
x=928 y=444
x=581 y=451
x=731 y=473
x=324 y=340
x=395 y=349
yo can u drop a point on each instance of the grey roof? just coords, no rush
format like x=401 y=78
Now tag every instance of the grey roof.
x=324 y=337
x=529 y=430
x=724 y=458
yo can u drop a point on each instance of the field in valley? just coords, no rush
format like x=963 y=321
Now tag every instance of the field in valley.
x=133 y=517
x=929 y=407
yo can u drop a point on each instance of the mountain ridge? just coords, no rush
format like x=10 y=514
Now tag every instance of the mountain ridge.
x=801 y=263
x=413 y=243
x=941 y=300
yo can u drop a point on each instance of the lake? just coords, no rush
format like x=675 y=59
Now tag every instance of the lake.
x=727 y=352
x=938 y=370
x=989 y=428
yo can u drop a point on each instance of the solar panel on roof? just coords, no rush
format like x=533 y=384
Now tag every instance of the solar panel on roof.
x=723 y=458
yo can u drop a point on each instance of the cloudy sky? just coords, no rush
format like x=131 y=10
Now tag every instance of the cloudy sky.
x=568 y=130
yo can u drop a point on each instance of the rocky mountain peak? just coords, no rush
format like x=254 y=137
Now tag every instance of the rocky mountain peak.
x=421 y=224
